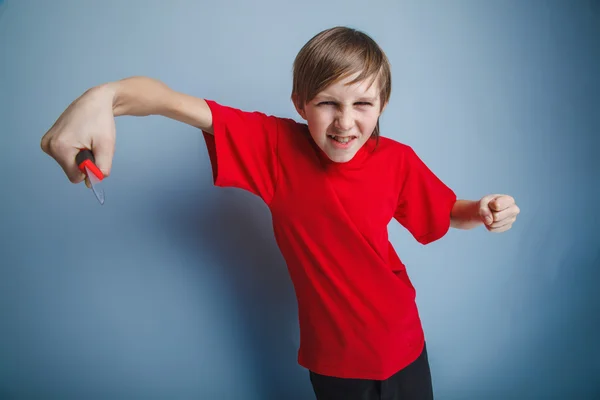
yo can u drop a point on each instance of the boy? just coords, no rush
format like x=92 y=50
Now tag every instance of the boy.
x=332 y=186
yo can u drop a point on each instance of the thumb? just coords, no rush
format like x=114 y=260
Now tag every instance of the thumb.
x=104 y=151
x=484 y=210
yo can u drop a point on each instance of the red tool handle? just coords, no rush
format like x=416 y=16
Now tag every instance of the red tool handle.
x=85 y=158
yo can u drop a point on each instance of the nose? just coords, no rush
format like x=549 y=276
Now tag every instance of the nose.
x=344 y=120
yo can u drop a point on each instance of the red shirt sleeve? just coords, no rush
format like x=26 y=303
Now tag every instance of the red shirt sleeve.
x=425 y=202
x=243 y=150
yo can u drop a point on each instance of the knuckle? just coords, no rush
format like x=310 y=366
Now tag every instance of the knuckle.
x=53 y=145
x=44 y=144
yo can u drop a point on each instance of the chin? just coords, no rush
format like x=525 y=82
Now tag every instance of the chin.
x=340 y=157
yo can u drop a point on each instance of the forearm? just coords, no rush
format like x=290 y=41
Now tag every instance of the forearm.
x=465 y=215
x=142 y=96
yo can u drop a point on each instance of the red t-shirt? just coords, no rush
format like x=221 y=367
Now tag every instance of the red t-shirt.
x=357 y=312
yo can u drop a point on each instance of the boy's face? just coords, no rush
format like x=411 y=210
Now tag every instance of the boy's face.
x=342 y=117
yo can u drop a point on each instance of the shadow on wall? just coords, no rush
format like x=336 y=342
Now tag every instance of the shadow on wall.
x=233 y=230
x=555 y=314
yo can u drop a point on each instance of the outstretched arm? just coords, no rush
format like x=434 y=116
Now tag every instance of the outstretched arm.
x=142 y=96
x=88 y=122
x=497 y=212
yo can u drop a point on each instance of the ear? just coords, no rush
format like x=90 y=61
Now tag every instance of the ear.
x=299 y=108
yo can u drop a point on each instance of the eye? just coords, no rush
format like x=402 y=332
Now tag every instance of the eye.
x=326 y=103
x=363 y=103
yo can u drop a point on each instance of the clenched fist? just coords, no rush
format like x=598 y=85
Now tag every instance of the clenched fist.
x=88 y=123
x=498 y=212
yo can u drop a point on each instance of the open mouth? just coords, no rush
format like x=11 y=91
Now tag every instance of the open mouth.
x=343 y=140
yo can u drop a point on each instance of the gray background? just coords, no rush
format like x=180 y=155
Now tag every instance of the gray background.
x=176 y=289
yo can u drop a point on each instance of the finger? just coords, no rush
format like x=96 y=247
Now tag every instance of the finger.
x=500 y=229
x=70 y=167
x=500 y=224
x=484 y=211
x=506 y=214
x=501 y=202
x=104 y=151
x=88 y=183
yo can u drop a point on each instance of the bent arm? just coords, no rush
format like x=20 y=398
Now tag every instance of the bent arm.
x=89 y=121
x=142 y=96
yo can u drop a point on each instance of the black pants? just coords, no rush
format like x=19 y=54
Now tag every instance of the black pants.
x=410 y=383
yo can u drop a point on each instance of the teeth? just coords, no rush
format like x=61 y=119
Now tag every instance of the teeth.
x=341 y=139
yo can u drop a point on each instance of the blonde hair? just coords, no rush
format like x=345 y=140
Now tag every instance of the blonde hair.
x=335 y=54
